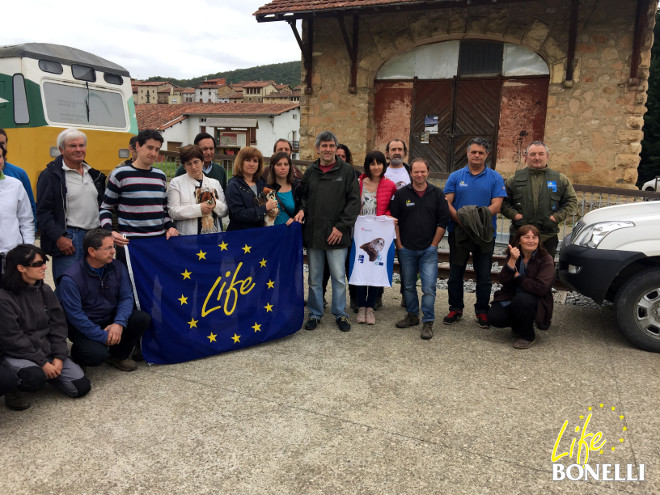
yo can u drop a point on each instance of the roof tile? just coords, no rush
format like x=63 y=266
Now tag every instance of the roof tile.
x=162 y=116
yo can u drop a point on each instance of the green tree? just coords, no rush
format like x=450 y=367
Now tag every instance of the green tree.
x=282 y=73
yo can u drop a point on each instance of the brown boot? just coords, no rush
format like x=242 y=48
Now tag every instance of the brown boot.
x=410 y=320
x=427 y=330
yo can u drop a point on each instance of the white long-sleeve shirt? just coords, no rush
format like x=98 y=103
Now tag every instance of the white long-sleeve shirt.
x=16 y=220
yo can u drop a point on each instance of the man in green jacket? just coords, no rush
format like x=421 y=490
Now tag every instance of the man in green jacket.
x=329 y=207
x=539 y=196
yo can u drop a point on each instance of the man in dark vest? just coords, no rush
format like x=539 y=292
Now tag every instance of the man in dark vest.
x=97 y=297
x=539 y=196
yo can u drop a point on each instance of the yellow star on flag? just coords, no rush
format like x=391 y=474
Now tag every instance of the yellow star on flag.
x=621 y=417
x=257 y=327
x=212 y=337
x=625 y=428
x=613 y=408
x=270 y=284
x=613 y=449
x=269 y=307
x=236 y=338
x=193 y=323
x=201 y=255
x=246 y=249
x=223 y=246
x=581 y=417
x=263 y=262
x=590 y=408
x=620 y=440
x=601 y=404
x=186 y=275
x=183 y=300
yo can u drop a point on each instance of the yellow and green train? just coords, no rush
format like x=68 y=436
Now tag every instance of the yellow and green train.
x=46 y=88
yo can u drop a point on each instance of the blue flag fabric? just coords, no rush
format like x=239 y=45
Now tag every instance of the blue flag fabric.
x=213 y=293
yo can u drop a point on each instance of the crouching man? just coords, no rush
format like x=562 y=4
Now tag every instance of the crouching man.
x=97 y=298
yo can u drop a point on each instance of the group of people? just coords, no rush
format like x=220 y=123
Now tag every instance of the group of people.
x=86 y=221
x=535 y=198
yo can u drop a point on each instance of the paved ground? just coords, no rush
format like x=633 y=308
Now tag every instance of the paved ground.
x=376 y=410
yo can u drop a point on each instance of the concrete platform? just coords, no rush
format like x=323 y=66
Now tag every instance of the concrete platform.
x=375 y=410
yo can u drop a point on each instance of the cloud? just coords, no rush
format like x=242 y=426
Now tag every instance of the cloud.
x=165 y=38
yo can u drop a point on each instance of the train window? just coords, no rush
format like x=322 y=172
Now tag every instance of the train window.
x=50 y=66
x=21 y=110
x=79 y=105
x=83 y=73
x=113 y=78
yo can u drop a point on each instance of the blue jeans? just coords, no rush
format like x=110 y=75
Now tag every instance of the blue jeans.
x=482 y=264
x=61 y=263
x=425 y=262
x=337 y=264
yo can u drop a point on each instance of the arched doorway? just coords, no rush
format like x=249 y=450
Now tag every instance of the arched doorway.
x=440 y=96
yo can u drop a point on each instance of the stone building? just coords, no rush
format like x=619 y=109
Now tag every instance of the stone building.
x=437 y=73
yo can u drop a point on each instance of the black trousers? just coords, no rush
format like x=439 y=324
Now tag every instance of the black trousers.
x=519 y=315
x=8 y=380
x=90 y=352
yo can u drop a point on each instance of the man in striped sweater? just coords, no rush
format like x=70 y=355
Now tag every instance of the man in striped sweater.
x=137 y=192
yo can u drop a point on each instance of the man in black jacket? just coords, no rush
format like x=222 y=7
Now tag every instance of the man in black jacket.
x=329 y=206
x=422 y=213
x=69 y=193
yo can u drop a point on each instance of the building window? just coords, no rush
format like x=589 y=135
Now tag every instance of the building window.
x=467 y=58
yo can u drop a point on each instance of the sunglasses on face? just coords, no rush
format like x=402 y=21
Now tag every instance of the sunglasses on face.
x=36 y=264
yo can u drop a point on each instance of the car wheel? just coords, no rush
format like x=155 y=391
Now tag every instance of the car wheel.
x=637 y=307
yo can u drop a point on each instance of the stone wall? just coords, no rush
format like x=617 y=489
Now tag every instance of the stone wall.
x=593 y=123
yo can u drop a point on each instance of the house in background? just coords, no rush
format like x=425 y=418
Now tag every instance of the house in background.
x=207 y=92
x=234 y=125
x=573 y=73
x=151 y=92
x=254 y=91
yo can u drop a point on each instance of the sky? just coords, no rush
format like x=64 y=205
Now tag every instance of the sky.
x=181 y=39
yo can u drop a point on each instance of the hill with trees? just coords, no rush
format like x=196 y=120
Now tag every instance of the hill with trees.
x=282 y=73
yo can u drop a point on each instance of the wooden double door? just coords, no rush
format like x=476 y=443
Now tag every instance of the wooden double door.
x=508 y=112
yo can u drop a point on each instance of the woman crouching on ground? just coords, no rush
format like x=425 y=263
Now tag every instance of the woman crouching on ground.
x=526 y=293
x=34 y=330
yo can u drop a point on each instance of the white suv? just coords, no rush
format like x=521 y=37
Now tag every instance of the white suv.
x=652 y=185
x=613 y=253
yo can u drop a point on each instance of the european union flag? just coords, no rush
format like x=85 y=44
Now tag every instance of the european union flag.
x=213 y=293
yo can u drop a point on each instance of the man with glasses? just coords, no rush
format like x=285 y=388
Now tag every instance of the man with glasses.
x=97 y=298
x=211 y=169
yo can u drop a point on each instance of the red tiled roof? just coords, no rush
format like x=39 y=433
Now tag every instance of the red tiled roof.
x=257 y=84
x=279 y=94
x=162 y=116
x=309 y=6
x=150 y=83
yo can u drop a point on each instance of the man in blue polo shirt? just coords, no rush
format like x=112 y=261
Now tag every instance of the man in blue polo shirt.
x=484 y=188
